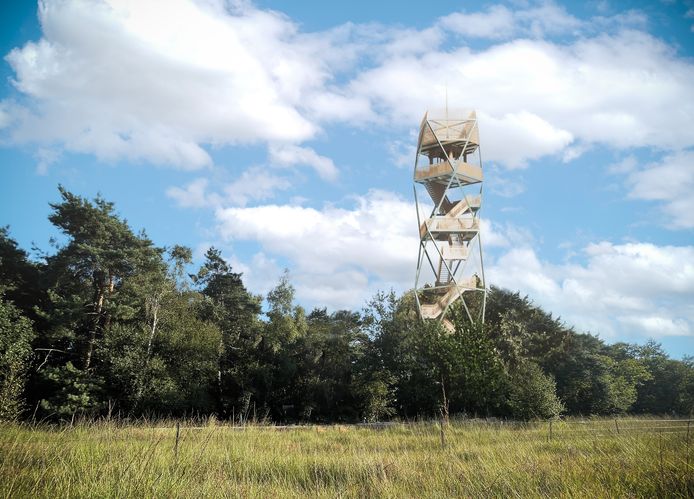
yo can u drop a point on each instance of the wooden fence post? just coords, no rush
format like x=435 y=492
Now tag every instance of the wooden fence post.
x=616 y=425
x=689 y=422
x=660 y=449
x=443 y=435
x=550 y=429
x=178 y=432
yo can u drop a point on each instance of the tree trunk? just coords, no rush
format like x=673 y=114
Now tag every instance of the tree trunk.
x=153 y=329
x=99 y=306
x=220 y=408
x=107 y=318
x=444 y=401
x=156 y=305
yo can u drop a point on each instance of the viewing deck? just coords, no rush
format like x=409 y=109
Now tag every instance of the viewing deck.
x=434 y=310
x=441 y=227
x=442 y=172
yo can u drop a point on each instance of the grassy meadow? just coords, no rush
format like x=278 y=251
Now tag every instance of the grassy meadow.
x=595 y=458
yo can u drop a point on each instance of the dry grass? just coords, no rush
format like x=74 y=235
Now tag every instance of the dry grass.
x=480 y=459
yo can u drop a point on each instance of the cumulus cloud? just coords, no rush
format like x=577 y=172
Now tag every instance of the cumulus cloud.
x=254 y=184
x=292 y=155
x=657 y=325
x=260 y=274
x=635 y=290
x=500 y=22
x=257 y=184
x=5 y=115
x=334 y=249
x=146 y=82
x=502 y=183
x=496 y=22
x=520 y=137
x=193 y=195
x=670 y=181
x=539 y=97
x=154 y=82
x=340 y=256
x=46 y=157
x=402 y=154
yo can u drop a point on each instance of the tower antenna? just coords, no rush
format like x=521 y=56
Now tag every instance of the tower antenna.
x=447 y=110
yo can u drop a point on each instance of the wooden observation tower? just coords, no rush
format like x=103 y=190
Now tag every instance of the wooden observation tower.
x=448 y=174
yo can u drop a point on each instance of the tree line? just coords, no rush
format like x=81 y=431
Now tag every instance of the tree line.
x=110 y=323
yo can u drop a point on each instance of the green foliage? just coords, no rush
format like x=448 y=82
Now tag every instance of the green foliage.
x=179 y=373
x=376 y=397
x=73 y=392
x=101 y=256
x=286 y=322
x=476 y=372
x=400 y=353
x=120 y=325
x=670 y=388
x=685 y=402
x=532 y=394
x=233 y=310
x=16 y=335
x=326 y=355
x=591 y=377
x=19 y=277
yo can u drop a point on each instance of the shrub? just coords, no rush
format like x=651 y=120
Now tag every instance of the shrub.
x=533 y=394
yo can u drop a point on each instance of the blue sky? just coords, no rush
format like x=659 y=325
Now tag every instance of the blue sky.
x=284 y=134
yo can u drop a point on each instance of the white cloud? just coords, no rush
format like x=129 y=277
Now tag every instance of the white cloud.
x=5 y=115
x=408 y=41
x=537 y=97
x=670 y=181
x=193 y=195
x=143 y=81
x=344 y=289
x=340 y=257
x=517 y=138
x=632 y=18
x=342 y=252
x=148 y=81
x=654 y=325
x=255 y=184
x=292 y=155
x=548 y=18
x=402 y=154
x=632 y=290
x=574 y=152
x=500 y=235
x=260 y=275
x=503 y=184
x=496 y=23
x=46 y=157
x=500 y=22
x=626 y=165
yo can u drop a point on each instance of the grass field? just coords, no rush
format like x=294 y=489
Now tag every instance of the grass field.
x=479 y=459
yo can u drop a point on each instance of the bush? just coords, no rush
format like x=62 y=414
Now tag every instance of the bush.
x=16 y=334
x=533 y=394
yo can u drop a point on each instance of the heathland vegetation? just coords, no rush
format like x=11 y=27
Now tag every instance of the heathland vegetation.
x=109 y=324
x=478 y=459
